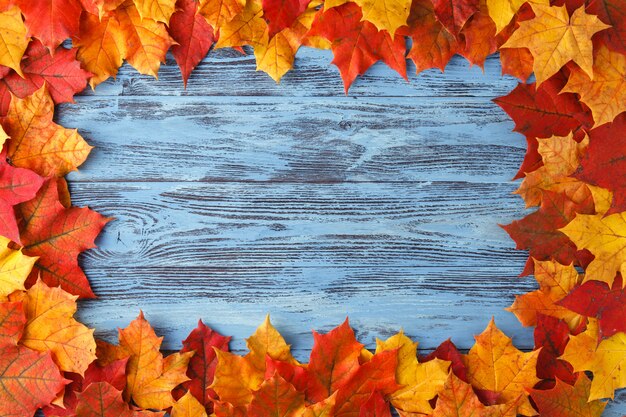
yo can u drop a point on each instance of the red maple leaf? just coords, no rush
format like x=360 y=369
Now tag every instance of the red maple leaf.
x=551 y=336
x=448 y=351
x=357 y=44
x=58 y=235
x=16 y=186
x=51 y=21
x=596 y=299
x=375 y=406
x=604 y=164
x=612 y=12
x=193 y=35
x=12 y=320
x=453 y=14
x=280 y=14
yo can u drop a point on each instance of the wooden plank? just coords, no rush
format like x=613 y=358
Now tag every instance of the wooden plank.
x=295 y=139
x=228 y=73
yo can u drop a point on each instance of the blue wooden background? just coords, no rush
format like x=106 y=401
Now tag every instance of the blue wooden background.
x=237 y=197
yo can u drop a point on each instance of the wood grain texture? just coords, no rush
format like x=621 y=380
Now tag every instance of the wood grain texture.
x=237 y=197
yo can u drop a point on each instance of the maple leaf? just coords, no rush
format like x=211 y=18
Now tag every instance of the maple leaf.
x=281 y=14
x=503 y=11
x=13 y=39
x=51 y=21
x=276 y=397
x=219 y=12
x=16 y=186
x=606 y=360
x=612 y=12
x=12 y=320
x=540 y=232
x=375 y=406
x=377 y=375
x=420 y=381
x=235 y=379
x=597 y=299
x=193 y=35
x=433 y=45
x=454 y=13
x=494 y=364
x=554 y=38
x=28 y=380
x=61 y=72
x=51 y=326
x=202 y=341
x=386 y=15
x=245 y=28
x=565 y=400
x=517 y=62
x=150 y=377
x=101 y=46
x=551 y=336
x=605 y=94
x=294 y=373
x=39 y=144
x=334 y=360
x=448 y=351
x=267 y=341
x=157 y=10
x=357 y=44
x=57 y=235
x=480 y=37
x=101 y=399
x=188 y=406
x=605 y=238
x=561 y=157
x=555 y=283
x=146 y=41
x=14 y=269
x=605 y=142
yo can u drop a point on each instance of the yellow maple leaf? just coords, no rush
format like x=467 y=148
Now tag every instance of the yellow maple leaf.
x=219 y=12
x=39 y=144
x=606 y=360
x=267 y=341
x=101 y=46
x=386 y=15
x=554 y=38
x=421 y=381
x=13 y=39
x=605 y=238
x=561 y=157
x=494 y=364
x=147 y=40
x=50 y=326
x=235 y=378
x=158 y=10
x=188 y=406
x=14 y=269
x=502 y=11
x=246 y=28
x=555 y=283
x=150 y=377
x=606 y=93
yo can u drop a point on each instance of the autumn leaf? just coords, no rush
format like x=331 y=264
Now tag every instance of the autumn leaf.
x=28 y=380
x=612 y=12
x=51 y=21
x=281 y=14
x=13 y=39
x=16 y=186
x=51 y=326
x=14 y=269
x=479 y=34
x=448 y=351
x=157 y=10
x=554 y=38
x=57 y=235
x=219 y=12
x=375 y=406
x=267 y=341
x=101 y=46
x=334 y=360
x=494 y=364
x=12 y=321
x=453 y=14
x=433 y=46
x=420 y=381
x=606 y=360
x=605 y=94
x=605 y=238
x=565 y=400
x=235 y=379
x=503 y=11
x=188 y=406
x=203 y=342
x=193 y=35
x=597 y=299
x=39 y=144
x=358 y=44
x=387 y=15
x=276 y=397
x=551 y=336
x=555 y=283
x=101 y=399
x=150 y=377
x=61 y=73
x=246 y=28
